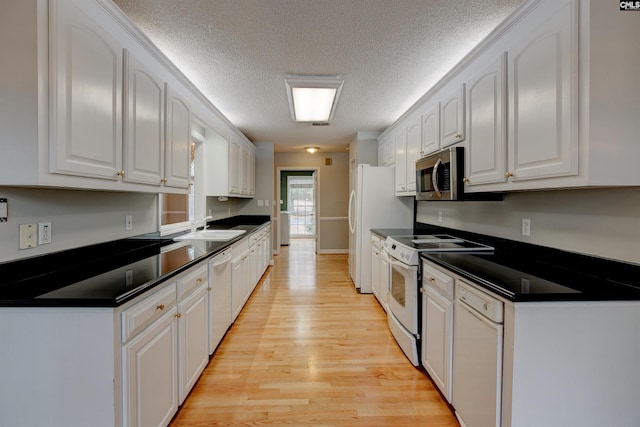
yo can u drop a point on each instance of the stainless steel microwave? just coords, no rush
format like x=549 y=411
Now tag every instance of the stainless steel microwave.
x=439 y=176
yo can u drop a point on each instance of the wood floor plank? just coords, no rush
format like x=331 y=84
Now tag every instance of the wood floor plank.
x=309 y=350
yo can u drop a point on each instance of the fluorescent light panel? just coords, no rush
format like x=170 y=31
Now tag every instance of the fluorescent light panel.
x=312 y=98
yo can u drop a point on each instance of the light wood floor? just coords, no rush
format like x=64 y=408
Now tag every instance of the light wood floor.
x=308 y=350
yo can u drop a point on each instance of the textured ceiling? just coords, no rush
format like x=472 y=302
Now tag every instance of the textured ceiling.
x=389 y=52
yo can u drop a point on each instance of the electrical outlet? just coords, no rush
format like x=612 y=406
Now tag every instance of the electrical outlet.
x=128 y=222
x=44 y=233
x=28 y=236
x=439 y=216
x=526 y=227
x=260 y=202
x=266 y=202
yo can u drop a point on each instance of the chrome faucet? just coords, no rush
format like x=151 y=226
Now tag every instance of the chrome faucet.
x=197 y=222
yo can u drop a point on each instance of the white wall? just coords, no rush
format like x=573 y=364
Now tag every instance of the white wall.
x=78 y=218
x=333 y=194
x=600 y=222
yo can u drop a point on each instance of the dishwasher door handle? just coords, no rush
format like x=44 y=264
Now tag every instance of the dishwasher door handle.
x=475 y=313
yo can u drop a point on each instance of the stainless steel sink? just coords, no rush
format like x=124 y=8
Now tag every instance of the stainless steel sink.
x=217 y=235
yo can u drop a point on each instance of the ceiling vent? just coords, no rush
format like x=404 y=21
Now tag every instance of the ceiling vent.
x=320 y=123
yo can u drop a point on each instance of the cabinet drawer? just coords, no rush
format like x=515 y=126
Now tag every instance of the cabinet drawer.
x=192 y=280
x=438 y=280
x=142 y=314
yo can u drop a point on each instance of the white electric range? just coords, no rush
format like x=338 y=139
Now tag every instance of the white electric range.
x=403 y=314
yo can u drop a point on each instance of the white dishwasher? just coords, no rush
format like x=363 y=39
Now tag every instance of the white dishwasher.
x=477 y=357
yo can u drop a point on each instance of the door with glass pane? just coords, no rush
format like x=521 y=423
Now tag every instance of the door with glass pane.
x=302 y=206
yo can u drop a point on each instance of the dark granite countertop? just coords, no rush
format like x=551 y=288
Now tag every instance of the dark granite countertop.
x=110 y=274
x=523 y=272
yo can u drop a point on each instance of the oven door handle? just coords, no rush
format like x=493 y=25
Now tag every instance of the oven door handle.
x=394 y=261
x=434 y=178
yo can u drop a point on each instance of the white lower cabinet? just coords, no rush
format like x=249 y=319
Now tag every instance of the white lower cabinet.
x=129 y=366
x=193 y=333
x=150 y=374
x=437 y=327
x=251 y=258
x=165 y=350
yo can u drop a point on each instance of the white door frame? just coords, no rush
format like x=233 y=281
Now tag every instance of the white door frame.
x=279 y=171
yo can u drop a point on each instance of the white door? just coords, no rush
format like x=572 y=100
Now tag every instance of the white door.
x=144 y=121
x=177 y=140
x=437 y=323
x=414 y=142
x=486 y=155
x=150 y=374
x=301 y=203
x=543 y=80
x=452 y=117
x=193 y=339
x=430 y=129
x=86 y=92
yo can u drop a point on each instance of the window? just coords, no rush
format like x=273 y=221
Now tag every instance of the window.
x=301 y=204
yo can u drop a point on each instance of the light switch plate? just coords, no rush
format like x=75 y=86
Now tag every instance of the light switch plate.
x=28 y=236
x=3 y=210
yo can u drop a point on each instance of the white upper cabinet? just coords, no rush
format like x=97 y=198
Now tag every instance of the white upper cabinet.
x=452 y=117
x=93 y=105
x=242 y=159
x=538 y=103
x=387 y=151
x=414 y=141
x=401 y=161
x=86 y=90
x=228 y=166
x=177 y=140
x=430 y=129
x=486 y=138
x=543 y=84
x=144 y=124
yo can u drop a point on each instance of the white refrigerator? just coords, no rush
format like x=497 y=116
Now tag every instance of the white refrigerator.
x=373 y=204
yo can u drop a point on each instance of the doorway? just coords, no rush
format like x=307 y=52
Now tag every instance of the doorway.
x=301 y=206
x=298 y=195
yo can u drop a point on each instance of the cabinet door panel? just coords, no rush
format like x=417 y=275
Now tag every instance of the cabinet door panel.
x=193 y=340
x=430 y=130
x=486 y=155
x=452 y=117
x=177 y=140
x=543 y=98
x=86 y=92
x=144 y=133
x=401 y=161
x=235 y=168
x=414 y=141
x=436 y=343
x=150 y=376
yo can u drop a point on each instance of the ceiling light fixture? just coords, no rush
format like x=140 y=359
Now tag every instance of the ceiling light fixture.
x=313 y=98
x=312 y=150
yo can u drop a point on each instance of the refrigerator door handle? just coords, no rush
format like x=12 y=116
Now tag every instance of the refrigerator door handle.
x=352 y=218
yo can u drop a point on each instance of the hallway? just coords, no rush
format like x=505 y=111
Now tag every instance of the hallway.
x=308 y=350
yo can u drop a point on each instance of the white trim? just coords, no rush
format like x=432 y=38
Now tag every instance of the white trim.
x=333 y=218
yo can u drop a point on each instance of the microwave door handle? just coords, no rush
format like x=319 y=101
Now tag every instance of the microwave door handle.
x=434 y=178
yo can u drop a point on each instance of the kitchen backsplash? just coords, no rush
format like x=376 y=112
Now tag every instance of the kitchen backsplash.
x=600 y=222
